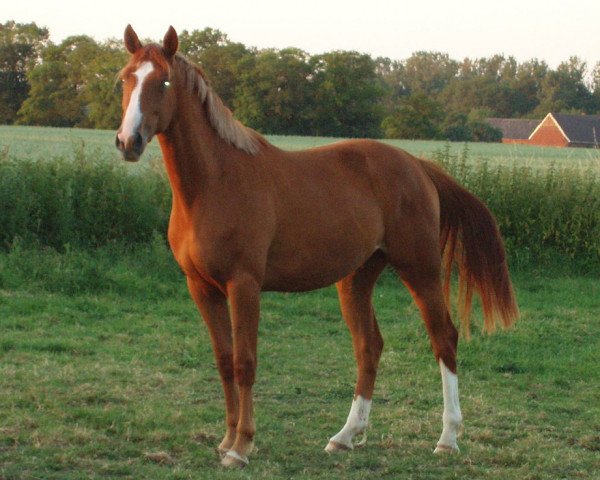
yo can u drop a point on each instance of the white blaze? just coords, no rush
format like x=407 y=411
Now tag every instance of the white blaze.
x=133 y=114
x=452 y=417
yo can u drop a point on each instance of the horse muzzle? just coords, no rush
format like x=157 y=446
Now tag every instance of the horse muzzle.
x=131 y=147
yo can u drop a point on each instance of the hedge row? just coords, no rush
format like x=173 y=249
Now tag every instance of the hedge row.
x=540 y=212
x=81 y=202
x=86 y=202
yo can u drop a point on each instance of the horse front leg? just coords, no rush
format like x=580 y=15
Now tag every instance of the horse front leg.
x=244 y=299
x=213 y=308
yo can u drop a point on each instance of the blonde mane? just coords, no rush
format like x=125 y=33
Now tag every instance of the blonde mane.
x=219 y=116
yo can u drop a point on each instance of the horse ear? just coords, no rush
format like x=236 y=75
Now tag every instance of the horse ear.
x=170 y=42
x=132 y=42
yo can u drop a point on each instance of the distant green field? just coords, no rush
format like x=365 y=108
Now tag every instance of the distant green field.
x=39 y=142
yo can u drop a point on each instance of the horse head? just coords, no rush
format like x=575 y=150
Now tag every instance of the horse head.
x=148 y=93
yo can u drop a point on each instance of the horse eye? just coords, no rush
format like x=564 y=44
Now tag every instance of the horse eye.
x=166 y=84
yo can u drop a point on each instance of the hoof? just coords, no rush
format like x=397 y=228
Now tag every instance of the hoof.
x=362 y=442
x=446 y=449
x=222 y=452
x=232 y=459
x=337 y=447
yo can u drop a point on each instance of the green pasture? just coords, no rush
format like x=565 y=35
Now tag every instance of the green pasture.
x=47 y=142
x=106 y=371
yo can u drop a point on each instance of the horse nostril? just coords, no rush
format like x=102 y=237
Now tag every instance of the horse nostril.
x=138 y=142
x=119 y=143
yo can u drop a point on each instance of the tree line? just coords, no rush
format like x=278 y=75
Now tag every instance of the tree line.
x=288 y=91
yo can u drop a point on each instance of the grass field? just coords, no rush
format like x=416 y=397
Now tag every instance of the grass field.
x=42 y=142
x=107 y=372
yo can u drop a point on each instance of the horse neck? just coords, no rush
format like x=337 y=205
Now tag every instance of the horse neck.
x=189 y=147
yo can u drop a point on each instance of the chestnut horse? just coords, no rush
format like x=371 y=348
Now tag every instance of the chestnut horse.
x=248 y=217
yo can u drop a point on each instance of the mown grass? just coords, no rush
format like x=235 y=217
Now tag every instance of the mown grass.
x=107 y=372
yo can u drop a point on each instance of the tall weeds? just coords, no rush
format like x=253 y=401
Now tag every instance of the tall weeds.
x=86 y=202
x=543 y=214
x=79 y=202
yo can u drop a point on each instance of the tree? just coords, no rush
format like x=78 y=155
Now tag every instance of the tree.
x=220 y=58
x=564 y=90
x=455 y=128
x=347 y=94
x=390 y=74
x=423 y=73
x=20 y=48
x=417 y=117
x=341 y=93
x=275 y=94
x=595 y=85
x=487 y=83
x=527 y=84
x=193 y=44
x=428 y=72
x=75 y=85
x=100 y=93
x=481 y=130
x=57 y=84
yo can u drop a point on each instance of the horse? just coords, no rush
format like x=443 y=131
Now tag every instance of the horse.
x=249 y=217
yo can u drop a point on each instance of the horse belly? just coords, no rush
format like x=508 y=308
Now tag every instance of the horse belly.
x=302 y=280
x=314 y=258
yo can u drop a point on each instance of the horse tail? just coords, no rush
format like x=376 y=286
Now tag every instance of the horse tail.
x=469 y=237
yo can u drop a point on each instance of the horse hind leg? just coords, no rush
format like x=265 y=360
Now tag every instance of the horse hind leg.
x=355 y=293
x=427 y=292
x=452 y=417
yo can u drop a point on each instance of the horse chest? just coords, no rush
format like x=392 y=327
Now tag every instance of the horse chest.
x=199 y=264
x=204 y=251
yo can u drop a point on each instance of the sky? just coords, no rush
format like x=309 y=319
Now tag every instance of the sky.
x=550 y=30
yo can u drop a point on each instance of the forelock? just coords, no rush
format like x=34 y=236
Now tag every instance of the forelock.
x=149 y=53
